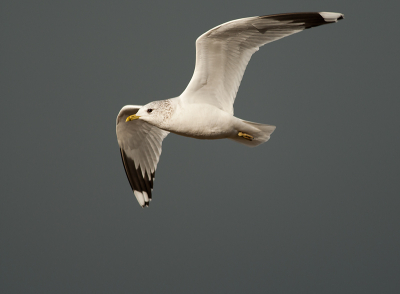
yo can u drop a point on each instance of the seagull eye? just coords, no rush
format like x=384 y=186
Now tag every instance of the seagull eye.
x=149 y=110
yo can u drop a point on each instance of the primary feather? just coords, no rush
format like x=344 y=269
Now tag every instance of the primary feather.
x=222 y=55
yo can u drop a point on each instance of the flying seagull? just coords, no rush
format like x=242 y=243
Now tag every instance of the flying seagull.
x=205 y=109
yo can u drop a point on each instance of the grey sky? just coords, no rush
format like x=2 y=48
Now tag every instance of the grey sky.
x=314 y=210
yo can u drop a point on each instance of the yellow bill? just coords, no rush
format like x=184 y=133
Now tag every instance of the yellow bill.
x=132 y=117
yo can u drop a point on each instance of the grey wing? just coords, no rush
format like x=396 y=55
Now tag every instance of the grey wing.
x=223 y=52
x=140 y=147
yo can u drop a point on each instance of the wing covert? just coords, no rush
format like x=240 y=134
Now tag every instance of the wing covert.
x=223 y=52
x=140 y=148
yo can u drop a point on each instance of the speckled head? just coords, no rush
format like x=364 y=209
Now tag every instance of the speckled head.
x=156 y=113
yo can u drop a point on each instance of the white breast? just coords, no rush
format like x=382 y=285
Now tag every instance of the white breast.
x=201 y=121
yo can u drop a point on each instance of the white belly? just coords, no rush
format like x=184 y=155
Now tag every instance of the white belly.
x=202 y=122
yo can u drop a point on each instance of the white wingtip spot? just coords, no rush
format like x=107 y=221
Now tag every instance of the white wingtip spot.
x=146 y=197
x=139 y=197
x=331 y=16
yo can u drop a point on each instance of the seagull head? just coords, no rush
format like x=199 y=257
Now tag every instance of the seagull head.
x=154 y=113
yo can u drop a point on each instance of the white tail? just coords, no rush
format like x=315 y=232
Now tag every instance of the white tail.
x=260 y=132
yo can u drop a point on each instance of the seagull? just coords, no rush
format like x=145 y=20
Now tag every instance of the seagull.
x=205 y=108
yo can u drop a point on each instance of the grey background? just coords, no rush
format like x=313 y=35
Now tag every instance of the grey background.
x=314 y=210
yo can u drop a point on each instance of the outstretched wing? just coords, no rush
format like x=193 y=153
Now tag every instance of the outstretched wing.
x=223 y=52
x=140 y=146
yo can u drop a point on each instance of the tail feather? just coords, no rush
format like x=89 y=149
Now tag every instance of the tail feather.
x=260 y=132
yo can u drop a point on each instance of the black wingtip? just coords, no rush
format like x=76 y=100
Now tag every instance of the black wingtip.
x=306 y=19
x=138 y=181
x=146 y=204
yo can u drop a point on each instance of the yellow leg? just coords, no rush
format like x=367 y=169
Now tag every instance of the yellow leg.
x=246 y=136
